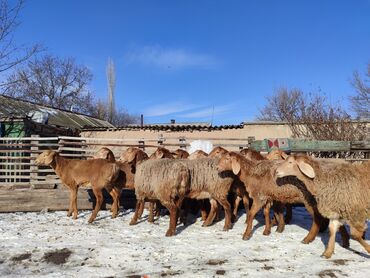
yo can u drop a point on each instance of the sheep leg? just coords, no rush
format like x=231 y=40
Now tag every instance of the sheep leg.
x=203 y=211
x=315 y=227
x=344 y=236
x=289 y=213
x=70 y=209
x=227 y=208
x=357 y=234
x=236 y=206
x=246 y=205
x=74 y=202
x=99 y=200
x=219 y=211
x=256 y=206
x=139 y=207
x=266 y=212
x=173 y=209
x=333 y=228
x=115 y=205
x=151 y=212
x=212 y=213
x=278 y=212
x=158 y=209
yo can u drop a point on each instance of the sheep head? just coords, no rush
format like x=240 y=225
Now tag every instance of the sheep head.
x=133 y=155
x=46 y=158
x=161 y=153
x=229 y=162
x=180 y=154
x=197 y=154
x=217 y=152
x=295 y=166
x=277 y=154
x=105 y=153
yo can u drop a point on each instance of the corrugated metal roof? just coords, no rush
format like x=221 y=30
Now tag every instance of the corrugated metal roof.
x=169 y=127
x=11 y=108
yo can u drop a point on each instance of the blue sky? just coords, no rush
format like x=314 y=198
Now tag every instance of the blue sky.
x=206 y=60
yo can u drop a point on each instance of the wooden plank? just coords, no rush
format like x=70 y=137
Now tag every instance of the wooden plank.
x=28 y=139
x=28 y=200
x=14 y=177
x=26 y=170
x=317 y=146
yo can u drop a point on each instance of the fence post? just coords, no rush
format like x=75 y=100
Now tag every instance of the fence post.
x=182 y=142
x=142 y=144
x=34 y=168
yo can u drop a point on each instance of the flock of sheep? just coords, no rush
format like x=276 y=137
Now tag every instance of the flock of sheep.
x=330 y=190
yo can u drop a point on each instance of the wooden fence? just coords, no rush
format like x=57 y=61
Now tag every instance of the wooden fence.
x=23 y=184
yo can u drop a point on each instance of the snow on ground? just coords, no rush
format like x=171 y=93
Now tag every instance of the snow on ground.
x=52 y=245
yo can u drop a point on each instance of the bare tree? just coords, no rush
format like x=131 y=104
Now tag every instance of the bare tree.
x=111 y=78
x=121 y=116
x=53 y=81
x=361 y=101
x=12 y=54
x=310 y=116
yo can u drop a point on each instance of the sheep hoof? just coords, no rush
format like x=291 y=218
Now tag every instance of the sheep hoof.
x=306 y=240
x=91 y=220
x=280 y=229
x=206 y=224
x=133 y=222
x=170 y=233
x=247 y=237
x=266 y=233
x=326 y=255
x=69 y=214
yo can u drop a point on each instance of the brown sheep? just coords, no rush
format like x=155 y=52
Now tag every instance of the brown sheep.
x=342 y=193
x=166 y=180
x=259 y=181
x=179 y=153
x=75 y=173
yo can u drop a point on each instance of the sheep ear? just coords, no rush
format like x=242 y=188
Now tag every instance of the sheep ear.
x=49 y=159
x=235 y=166
x=131 y=158
x=306 y=169
x=161 y=154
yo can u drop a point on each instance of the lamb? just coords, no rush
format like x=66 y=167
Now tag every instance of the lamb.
x=260 y=184
x=342 y=193
x=74 y=173
x=166 y=180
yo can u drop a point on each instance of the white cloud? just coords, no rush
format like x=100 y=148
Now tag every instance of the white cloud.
x=209 y=111
x=169 y=58
x=168 y=108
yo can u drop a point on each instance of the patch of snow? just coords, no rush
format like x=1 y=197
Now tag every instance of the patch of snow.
x=50 y=244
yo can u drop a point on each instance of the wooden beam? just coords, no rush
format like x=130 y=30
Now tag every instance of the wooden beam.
x=27 y=200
